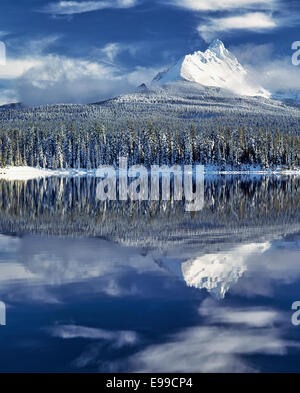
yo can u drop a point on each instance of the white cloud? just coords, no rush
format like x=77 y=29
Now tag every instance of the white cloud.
x=254 y=54
x=43 y=264
x=38 y=46
x=58 y=79
x=92 y=354
x=254 y=21
x=222 y=344
x=59 y=261
x=275 y=73
x=52 y=79
x=215 y=5
x=226 y=338
x=278 y=75
x=78 y=7
x=14 y=68
x=252 y=317
x=116 y=339
x=49 y=79
x=120 y=338
x=8 y=96
x=111 y=51
x=209 y=349
x=251 y=21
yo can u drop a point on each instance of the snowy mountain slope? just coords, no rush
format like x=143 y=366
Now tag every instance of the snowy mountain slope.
x=184 y=102
x=13 y=105
x=177 y=105
x=216 y=67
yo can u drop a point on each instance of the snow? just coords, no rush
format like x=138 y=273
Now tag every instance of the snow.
x=218 y=272
x=216 y=67
x=27 y=173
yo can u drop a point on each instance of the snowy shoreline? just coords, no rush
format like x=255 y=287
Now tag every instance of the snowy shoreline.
x=28 y=173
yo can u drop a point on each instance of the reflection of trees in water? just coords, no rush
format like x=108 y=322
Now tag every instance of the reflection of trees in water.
x=234 y=206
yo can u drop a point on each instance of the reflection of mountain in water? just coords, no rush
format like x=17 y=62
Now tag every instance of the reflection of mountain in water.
x=215 y=272
x=236 y=208
x=50 y=261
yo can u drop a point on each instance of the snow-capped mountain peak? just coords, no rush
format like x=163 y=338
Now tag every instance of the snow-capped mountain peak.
x=218 y=47
x=216 y=67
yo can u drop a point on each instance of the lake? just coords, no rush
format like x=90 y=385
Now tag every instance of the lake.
x=147 y=286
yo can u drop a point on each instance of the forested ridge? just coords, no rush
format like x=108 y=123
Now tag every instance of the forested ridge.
x=175 y=125
x=71 y=147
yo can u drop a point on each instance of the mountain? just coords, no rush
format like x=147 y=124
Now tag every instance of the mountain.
x=177 y=105
x=13 y=105
x=206 y=90
x=216 y=67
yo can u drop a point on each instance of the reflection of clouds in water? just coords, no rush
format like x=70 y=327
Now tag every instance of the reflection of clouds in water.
x=252 y=317
x=59 y=261
x=92 y=352
x=226 y=336
x=277 y=265
x=41 y=261
x=119 y=338
x=207 y=349
x=33 y=294
x=9 y=246
x=222 y=343
x=12 y=272
x=229 y=335
x=91 y=357
x=248 y=269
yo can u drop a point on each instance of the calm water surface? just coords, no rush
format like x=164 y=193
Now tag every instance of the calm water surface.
x=95 y=286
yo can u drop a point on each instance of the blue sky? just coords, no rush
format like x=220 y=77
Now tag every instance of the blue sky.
x=82 y=51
